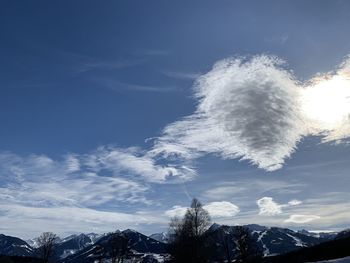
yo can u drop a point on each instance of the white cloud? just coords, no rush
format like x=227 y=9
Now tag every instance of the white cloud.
x=176 y=211
x=301 y=219
x=86 y=190
x=28 y=222
x=80 y=192
x=222 y=209
x=117 y=85
x=72 y=163
x=94 y=185
x=40 y=181
x=256 y=110
x=136 y=162
x=268 y=207
x=294 y=202
x=331 y=209
x=105 y=175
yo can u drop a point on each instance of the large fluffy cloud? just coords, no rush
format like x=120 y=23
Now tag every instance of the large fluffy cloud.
x=256 y=110
x=268 y=207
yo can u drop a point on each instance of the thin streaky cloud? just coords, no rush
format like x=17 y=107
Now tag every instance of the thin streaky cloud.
x=180 y=75
x=93 y=64
x=117 y=85
x=301 y=219
x=28 y=222
x=228 y=189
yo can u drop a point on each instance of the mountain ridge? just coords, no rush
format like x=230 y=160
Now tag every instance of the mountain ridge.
x=83 y=247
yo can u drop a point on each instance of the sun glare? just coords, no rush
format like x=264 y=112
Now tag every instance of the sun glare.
x=327 y=103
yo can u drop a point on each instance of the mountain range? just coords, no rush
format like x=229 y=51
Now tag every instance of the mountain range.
x=88 y=247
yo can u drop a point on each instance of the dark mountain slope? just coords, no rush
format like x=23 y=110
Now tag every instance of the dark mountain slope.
x=337 y=248
x=13 y=246
x=271 y=241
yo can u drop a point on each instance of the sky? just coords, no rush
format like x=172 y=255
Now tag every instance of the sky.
x=115 y=114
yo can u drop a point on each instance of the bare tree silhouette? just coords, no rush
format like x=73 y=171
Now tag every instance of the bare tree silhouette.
x=186 y=235
x=46 y=242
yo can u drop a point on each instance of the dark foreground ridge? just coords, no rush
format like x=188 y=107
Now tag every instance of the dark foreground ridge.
x=339 y=247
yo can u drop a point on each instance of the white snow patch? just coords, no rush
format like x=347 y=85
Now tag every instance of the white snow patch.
x=266 y=250
x=298 y=242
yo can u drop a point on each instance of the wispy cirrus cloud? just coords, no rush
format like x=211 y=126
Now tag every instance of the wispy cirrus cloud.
x=136 y=162
x=41 y=181
x=301 y=219
x=29 y=221
x=228 y=189
x=89 y=64
x=90 y=187
x=117 y=85
x=180 y=74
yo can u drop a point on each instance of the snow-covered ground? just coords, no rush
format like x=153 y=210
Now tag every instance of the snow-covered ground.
x=339 y=260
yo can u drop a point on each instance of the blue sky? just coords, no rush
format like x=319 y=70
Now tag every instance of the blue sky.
x=113 y=114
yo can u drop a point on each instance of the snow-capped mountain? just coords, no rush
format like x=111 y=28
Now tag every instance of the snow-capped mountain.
x=87 y=248
x=138 y=245
x=72 y=244
x=271 y=240
x=13 y=246
x=277 y=240
x=68 y=245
